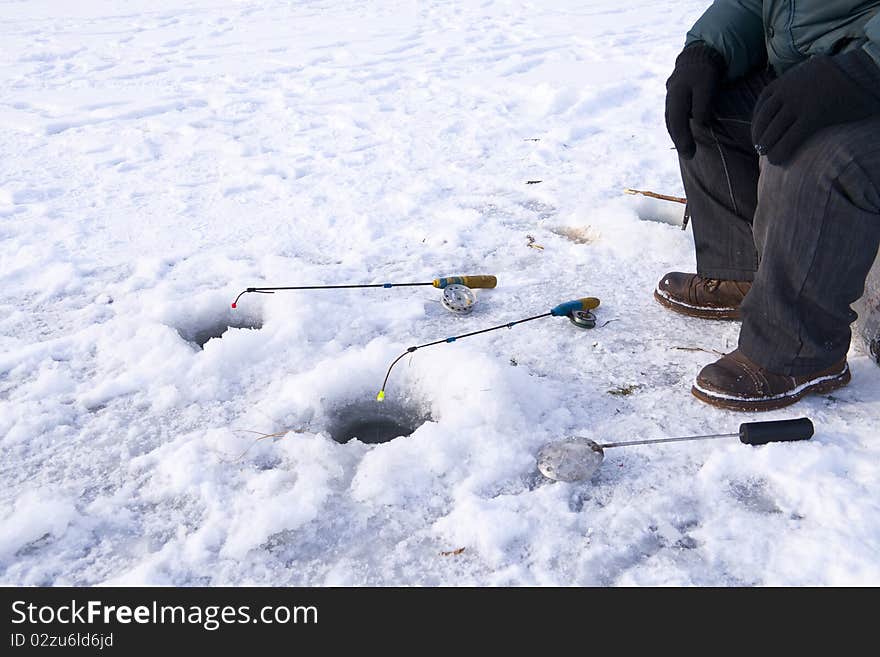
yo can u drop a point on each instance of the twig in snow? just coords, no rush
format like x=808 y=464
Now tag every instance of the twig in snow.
x=705 y=351
x=662 y=197
x=262 y=436
x=453 y=553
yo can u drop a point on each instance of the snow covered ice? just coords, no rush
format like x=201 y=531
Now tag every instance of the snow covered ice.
x=158 y=157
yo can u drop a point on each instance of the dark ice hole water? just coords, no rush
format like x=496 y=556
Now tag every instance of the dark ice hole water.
x=374 y=422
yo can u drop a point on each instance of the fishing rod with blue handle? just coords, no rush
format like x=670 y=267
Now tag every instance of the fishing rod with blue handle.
x=578 y=311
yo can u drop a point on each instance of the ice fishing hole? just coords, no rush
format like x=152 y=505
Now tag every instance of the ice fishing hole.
x=200 y=333
x=373 y=423
x=661 y=212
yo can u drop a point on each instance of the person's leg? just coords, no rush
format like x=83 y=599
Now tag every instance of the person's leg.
x=817 y=228
x=721 y=183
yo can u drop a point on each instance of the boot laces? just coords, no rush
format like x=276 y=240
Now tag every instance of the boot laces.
x=712 y=284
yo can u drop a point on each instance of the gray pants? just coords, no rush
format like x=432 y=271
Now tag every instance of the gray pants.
x=805 y=233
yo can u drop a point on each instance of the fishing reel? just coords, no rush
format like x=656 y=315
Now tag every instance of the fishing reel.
x=458 y=299
x=458 y=291
x=583 y=319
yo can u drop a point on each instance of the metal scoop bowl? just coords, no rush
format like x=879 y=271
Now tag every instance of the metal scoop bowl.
x=571 y=459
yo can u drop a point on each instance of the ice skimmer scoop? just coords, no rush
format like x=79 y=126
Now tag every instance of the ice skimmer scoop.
x=577 y=458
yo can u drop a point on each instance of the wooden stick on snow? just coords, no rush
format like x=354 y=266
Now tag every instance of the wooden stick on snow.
x=662 y=197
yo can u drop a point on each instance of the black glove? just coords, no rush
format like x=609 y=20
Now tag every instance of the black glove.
x=822 y=91
x=699 y=71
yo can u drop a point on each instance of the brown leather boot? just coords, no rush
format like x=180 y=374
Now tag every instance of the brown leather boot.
x=736 y=383
x=693 y=295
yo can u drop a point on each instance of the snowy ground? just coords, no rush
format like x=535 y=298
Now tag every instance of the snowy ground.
x=157 y=157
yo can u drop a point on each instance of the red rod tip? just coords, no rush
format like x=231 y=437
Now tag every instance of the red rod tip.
x=234 y=306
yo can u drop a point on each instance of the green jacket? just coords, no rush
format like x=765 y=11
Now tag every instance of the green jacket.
x=784 y=32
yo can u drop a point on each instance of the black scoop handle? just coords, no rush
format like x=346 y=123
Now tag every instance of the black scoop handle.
x=777 y=431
